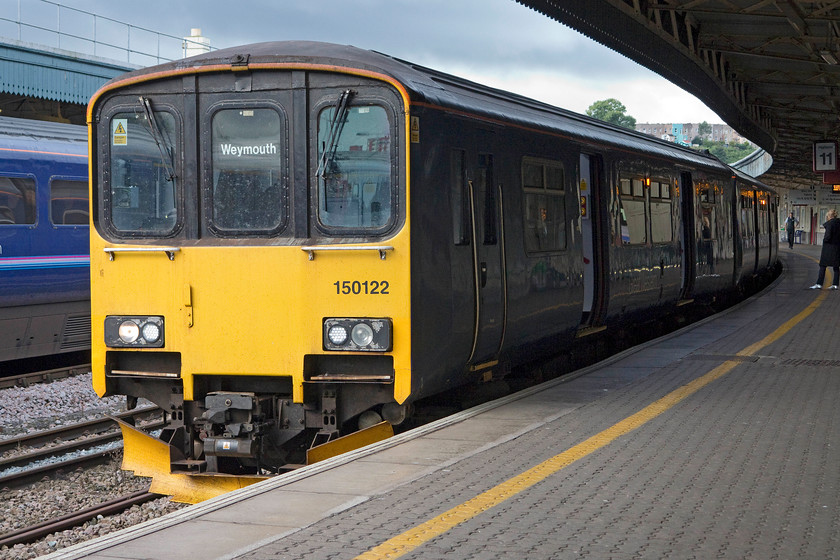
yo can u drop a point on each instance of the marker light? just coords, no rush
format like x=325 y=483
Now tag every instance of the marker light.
x=337 y=335
x=151 y=332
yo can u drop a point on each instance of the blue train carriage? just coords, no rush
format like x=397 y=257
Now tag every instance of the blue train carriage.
x=44 y=274
x=325 y=235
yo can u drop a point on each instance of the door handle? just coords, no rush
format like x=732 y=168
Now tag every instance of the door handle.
x=483 y=274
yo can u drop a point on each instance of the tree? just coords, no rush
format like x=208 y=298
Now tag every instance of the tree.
x=612 y=111
x=728 y=153
x=704 y=129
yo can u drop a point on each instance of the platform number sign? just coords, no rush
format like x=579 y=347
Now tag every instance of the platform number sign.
x=825 y=156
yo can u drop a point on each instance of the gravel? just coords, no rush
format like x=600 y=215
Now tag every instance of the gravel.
x=43 y=406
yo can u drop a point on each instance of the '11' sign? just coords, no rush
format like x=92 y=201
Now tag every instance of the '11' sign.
x=825 y=156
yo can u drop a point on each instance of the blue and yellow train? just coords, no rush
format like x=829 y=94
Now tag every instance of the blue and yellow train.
x=44 y=275
x=293 y=241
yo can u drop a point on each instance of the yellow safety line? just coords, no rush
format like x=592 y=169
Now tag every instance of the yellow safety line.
x=413 y=538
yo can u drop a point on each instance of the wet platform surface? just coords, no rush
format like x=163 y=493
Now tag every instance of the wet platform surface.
x=717 y=441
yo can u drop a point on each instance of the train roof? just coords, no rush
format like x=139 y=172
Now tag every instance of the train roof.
x=440 y=89
x=751 y=180
x=43 y=136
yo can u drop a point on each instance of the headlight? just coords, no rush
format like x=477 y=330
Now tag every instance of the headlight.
x=358 y=335
x=133 y=332
x=362 y=334
x=128 y=331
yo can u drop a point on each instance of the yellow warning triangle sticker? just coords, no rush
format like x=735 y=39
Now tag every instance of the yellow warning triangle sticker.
x=120 y=129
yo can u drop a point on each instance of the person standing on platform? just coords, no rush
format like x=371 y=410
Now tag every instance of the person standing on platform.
x=830 y=255
x=790 y=228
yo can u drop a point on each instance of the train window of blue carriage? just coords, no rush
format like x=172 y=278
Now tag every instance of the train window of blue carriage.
x=143 y=175
x=355 y=169
x=247 y=191
x=17 y=201
x=543 y=185
x=68 y=202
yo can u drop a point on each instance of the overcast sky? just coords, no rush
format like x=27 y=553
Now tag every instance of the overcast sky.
x=495 y=42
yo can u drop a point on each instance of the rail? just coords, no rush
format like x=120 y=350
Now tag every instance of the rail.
x=35 y=532
x=46 y=376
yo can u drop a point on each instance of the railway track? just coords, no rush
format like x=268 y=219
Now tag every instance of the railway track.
x=40 y=530
x=62 y=448
x=45 y=376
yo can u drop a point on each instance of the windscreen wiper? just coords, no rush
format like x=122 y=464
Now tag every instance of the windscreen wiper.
x=336 y=126
x=158 y=137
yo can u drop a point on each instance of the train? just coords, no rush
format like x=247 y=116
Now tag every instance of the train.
x=44 y=244
x=293 y=242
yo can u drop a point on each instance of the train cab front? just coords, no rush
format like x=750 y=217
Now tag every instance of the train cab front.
x=250 y=260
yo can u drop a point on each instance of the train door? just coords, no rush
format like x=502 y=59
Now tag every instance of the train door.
x=593 y=237
x=490 y=288
x=689 y=252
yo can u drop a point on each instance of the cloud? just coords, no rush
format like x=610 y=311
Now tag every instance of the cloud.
x=497 y=42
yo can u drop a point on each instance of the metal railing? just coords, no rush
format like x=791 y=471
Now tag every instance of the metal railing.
x=105 y=37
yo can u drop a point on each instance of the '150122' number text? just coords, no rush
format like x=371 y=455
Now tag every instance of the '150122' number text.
x=356 y=287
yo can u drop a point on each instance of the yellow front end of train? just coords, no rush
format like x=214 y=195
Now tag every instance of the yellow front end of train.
x=248 y=311
x=250 y=267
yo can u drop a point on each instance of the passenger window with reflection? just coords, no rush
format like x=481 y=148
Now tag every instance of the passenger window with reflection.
x=143 y=175
x=17 y=201
x=68 y=202
x=661 y=222
x=544 y=205
x=247 y=189
x=354 y=168
x=632 y=216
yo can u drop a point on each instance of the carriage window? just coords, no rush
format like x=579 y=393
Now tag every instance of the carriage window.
x=17 y=201
x=661 y=225
x=625 y=187
x=633 y=224
x=247 y=186
x=459 y=198
x=706 y=192
x=354 y=167
x=544 y=205
x=747 y=225
x=68 y=202
x=143 y=176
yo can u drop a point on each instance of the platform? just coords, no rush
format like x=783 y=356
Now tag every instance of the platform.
x=720 y=440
